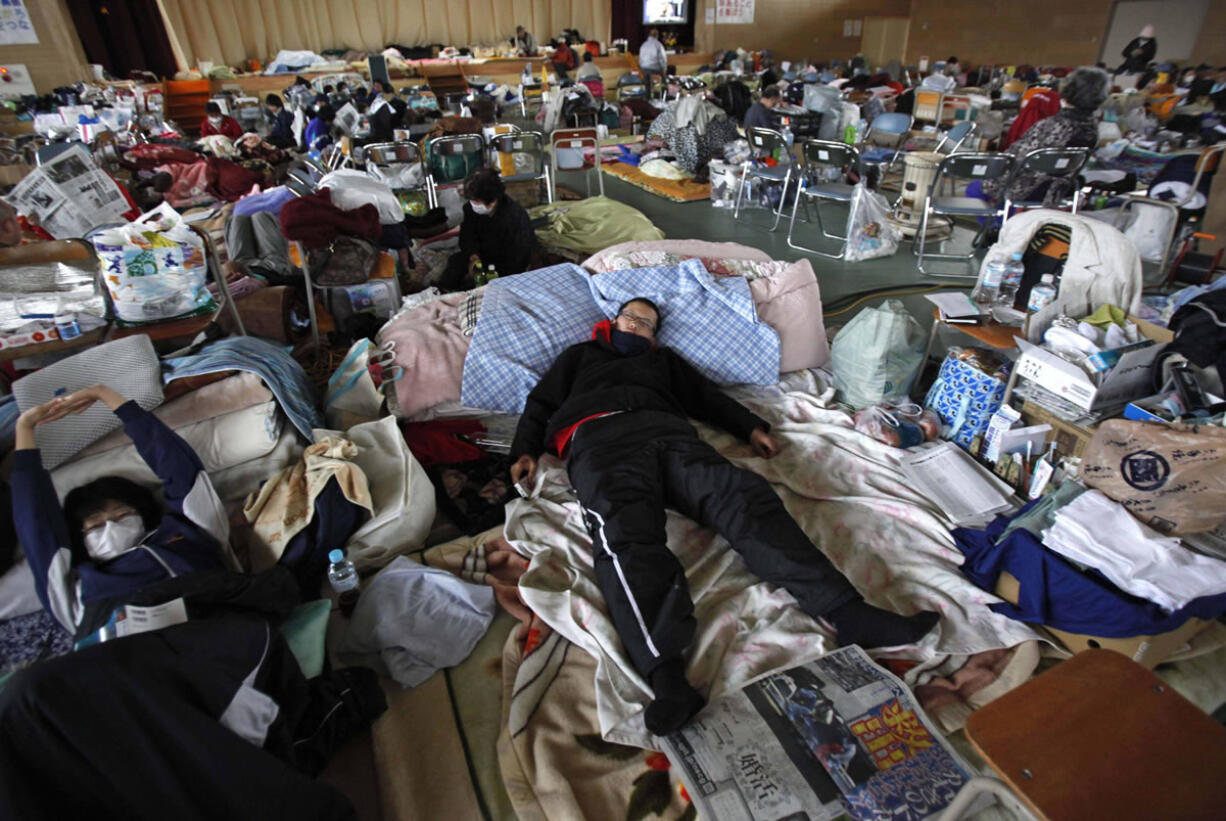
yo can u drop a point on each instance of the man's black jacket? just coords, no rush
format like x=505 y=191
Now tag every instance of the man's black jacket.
x=593 y=377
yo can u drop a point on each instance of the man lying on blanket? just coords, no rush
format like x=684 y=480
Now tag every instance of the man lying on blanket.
x=615 y=408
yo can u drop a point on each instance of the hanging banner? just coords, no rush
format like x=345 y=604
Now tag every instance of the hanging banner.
x=733 y=11
x=15 y=25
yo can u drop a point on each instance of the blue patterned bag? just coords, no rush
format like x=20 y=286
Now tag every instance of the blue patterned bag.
x=965 y=398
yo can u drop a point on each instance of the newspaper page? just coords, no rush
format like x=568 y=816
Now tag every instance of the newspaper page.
x=70 y=195
x=838 y=737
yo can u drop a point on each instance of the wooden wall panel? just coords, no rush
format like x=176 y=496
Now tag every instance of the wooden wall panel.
x=795 y=29
x=57 y=59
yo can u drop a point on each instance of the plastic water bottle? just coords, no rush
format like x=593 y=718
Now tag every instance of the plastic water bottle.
x=491 y=274
x=989 y=289
x=861 y=130
x=1042 y=294
x=66 y=322
x=786 y=131
x=1011 y=281
x=343 y=577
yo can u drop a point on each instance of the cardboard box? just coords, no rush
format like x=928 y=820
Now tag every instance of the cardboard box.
x=1128 y=379
x=1148 y=651
x=1150 y=408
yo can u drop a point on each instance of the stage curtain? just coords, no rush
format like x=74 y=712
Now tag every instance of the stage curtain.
x=232 y=31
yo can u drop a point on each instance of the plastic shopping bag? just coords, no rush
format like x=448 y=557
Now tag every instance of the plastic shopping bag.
x=352 y=398
x=154 y=269
x=876 y=355
x=870 y=234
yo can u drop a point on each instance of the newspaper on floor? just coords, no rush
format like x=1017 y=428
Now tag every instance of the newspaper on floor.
x=966 y=492
x=70 y=195
x=838 y=736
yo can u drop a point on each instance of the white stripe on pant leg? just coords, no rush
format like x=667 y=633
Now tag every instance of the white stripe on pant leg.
x=634 y=605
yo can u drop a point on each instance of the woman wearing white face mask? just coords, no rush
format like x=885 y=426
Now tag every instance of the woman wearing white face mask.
x=496 y=231
x=112 y=538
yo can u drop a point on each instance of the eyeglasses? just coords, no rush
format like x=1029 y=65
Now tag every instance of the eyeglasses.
x=637 y=321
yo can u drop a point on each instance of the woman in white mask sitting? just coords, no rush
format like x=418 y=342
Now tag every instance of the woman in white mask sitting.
x=112 y=538
x=496 y=233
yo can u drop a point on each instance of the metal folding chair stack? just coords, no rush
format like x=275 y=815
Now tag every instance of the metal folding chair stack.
x=468 y=154
x=531 y=146
x=766 y=143
x=1054 y=162
x=577 y=139
x=819 y=155
x=961 y=168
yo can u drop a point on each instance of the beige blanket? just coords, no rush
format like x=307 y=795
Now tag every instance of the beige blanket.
x=286 y=502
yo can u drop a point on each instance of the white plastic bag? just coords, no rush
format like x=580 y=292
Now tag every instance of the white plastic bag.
x=1149 y=228
x=876 y=355
x=154 y=268
x=869 y=233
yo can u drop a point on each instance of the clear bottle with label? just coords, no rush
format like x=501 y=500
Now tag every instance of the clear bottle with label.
x=1015 y=269
x=1042 y=294
x=993 y=274
x=343 y=577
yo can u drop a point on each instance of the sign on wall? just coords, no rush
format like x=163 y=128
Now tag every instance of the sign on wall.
x=733 y=11
x=15 y=25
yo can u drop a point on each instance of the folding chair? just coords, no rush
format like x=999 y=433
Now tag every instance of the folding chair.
x=887 y=133
x=1206 y=164
x=961 y=168
x=819 y=155
x=530 y=144
x=399 y=152
x=770 y=143
x=1054 y=162
x=954 y=137
x=468 y=151
x=580 y=139
x=530 y=91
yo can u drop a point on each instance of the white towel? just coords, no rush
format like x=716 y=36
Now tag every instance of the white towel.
x=1100 y=533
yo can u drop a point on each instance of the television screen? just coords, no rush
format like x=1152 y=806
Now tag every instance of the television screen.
x=665 y=12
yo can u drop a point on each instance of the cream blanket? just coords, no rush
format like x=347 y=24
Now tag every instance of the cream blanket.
x=286 y=502
x=845 y=490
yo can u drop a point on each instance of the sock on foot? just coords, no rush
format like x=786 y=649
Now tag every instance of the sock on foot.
x=676 y=701
x=858 y=622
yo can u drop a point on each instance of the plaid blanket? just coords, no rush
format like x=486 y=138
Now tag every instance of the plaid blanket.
x=528 y=320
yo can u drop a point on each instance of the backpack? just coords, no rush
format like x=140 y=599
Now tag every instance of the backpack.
x=734 y=98
x=348 y=261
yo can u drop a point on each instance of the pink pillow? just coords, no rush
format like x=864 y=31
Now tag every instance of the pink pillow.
x=791 y=303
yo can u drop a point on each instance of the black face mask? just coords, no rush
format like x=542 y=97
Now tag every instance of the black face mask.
x=629 y=344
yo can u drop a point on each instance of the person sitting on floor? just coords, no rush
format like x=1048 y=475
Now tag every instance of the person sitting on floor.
x=1074 y=126
x=280 y=122
x=215 y=122
x=496 y=233
x=615 y=409
x=761 y=114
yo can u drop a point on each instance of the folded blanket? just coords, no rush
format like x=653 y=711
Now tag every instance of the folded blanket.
x=587 y=226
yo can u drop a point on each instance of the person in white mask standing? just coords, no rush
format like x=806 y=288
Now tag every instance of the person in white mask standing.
x=111 y=538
